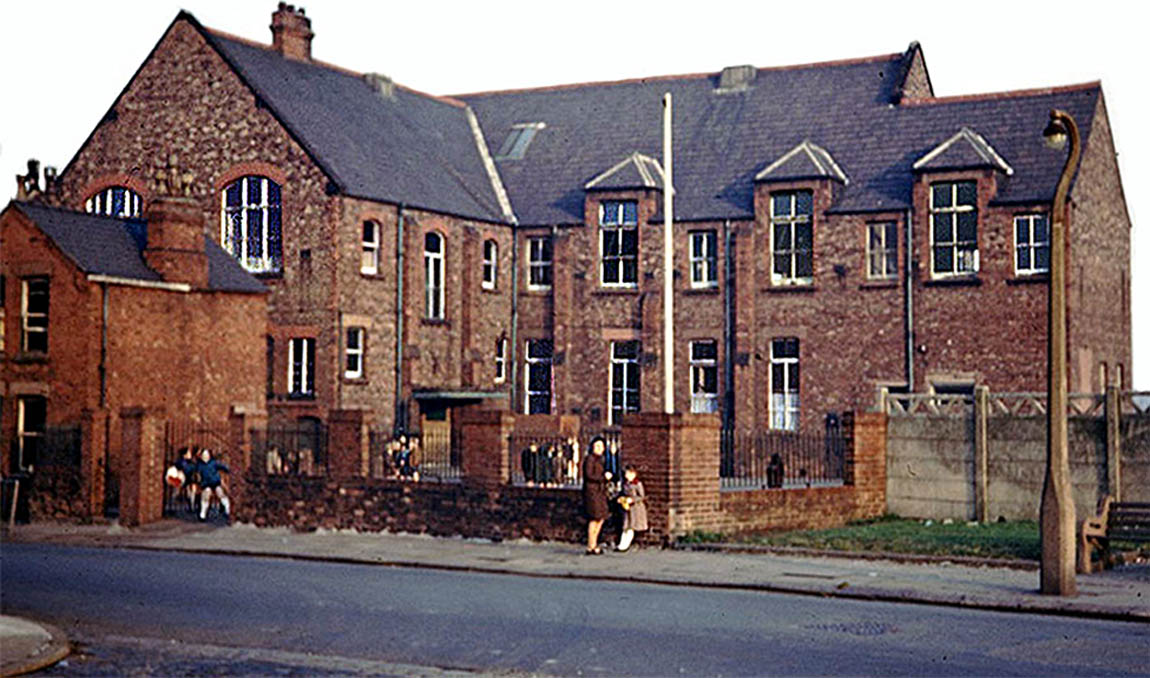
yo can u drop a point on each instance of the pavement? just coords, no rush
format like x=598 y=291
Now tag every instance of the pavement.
x=1120 y=594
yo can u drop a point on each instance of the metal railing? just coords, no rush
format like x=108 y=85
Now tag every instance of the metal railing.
x=435 y=457
x=751 y=460
x=551 y=460
x=293 y=449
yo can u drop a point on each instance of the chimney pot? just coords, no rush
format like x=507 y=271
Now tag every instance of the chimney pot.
x=291 y=32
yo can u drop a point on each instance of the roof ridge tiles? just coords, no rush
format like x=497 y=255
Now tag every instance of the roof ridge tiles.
x=1006 y=94
x=672 y=76
x=334 y=67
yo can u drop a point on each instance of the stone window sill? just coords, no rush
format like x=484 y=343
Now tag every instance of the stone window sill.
x=958 y=281
x=879 y=285
x=790 y=289
x=1036 y=279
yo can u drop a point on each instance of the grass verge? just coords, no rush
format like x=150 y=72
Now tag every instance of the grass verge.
x=1018 y=540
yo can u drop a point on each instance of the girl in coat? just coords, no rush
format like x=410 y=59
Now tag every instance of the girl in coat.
x=634 y=503
x=595 y=478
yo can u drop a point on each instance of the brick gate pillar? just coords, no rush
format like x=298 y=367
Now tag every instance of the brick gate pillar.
x=677 y=456
x=866 y=462
x=93 y=432
x=241 y=421
x=141 y=466
x=486 y=439
x=347 y=445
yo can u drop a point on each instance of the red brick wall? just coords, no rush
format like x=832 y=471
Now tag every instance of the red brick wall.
x=1098 y=266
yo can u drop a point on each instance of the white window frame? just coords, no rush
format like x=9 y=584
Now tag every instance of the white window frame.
x=354 y=352
x=964 y=258
x=539 y=258
x=614 y=224
x=790 y=249
x=500 y=360
x=631 y=394
x=267 y=261
x=104 y=200
x=300 y=346
x=784 y=405
x=882 y=262
x=22 y=434
x=703 y=401
x=490 y=264
x=433 y=277
x=369 y=260
x=704 y=259
x=34 y=322
x=529 y=363
x=1026 y=223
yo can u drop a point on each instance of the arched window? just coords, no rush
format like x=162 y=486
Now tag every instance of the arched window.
x=433 y=251
x=114 y=201
x=251 y=223
x=490 y=264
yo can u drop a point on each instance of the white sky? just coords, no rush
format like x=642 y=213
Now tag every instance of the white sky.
x=64 y=62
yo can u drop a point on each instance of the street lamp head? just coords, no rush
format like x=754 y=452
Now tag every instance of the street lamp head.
x=1055 y=133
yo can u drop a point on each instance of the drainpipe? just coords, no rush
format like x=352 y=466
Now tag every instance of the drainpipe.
x=103 y=345
x=909 y=275
x=728 y=326
x=513 y=353
x=400 y=406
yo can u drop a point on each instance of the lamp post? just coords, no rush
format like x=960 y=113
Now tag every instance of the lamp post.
x=1057 y=513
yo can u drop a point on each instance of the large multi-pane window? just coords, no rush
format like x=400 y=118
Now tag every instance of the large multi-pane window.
x=619 y=243
x=301 y=367
x=1031 y=244
x=539 y=263
x=251 y=226
x=369 y=259
x=792 y=237
x=490 y=264
x=538 y=376
x=114 y=201
x=624 y=379
x=34 y=315
x=704 y=376
x=433 y=251
x=954 y=228
x=354 y=352
x=784 y=400
x=704 y=272
x=31 y=419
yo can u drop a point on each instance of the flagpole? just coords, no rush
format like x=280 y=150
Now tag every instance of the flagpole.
x=668 y=250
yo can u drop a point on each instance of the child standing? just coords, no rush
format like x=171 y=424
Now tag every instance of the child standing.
x=209 y=470
x=634 y=502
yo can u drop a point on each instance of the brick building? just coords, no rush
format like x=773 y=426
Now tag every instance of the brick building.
x=109 y=316
x=838 y=229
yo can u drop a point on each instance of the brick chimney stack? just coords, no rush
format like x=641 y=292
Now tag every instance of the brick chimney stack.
x=291 y=32
x=176 y=246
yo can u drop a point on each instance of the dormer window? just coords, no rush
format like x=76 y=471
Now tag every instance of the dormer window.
x=792 y=237
x=251 y=223
x=954 y=228
x=115 y=201
x=619 y=243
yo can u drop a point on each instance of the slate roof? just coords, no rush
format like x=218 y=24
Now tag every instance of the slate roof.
x=404 y=148
x=805 y=161
x=724 y=139
x=965 y=150
x=113 y=247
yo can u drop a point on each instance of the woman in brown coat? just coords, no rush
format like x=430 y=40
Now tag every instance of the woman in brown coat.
x=595 y=493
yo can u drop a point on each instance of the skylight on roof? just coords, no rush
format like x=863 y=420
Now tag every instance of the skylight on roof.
x=515 y=145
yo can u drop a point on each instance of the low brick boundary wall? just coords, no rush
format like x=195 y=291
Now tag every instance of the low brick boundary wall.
x=440 y=509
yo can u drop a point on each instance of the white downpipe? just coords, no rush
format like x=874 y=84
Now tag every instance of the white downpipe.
x=668 y=252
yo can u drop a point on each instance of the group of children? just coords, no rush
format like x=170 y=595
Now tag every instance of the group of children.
x=199 y=478
x=549 y=465
x=401 y=457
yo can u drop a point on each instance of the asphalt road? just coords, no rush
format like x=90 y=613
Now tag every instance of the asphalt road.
x=151 y=613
